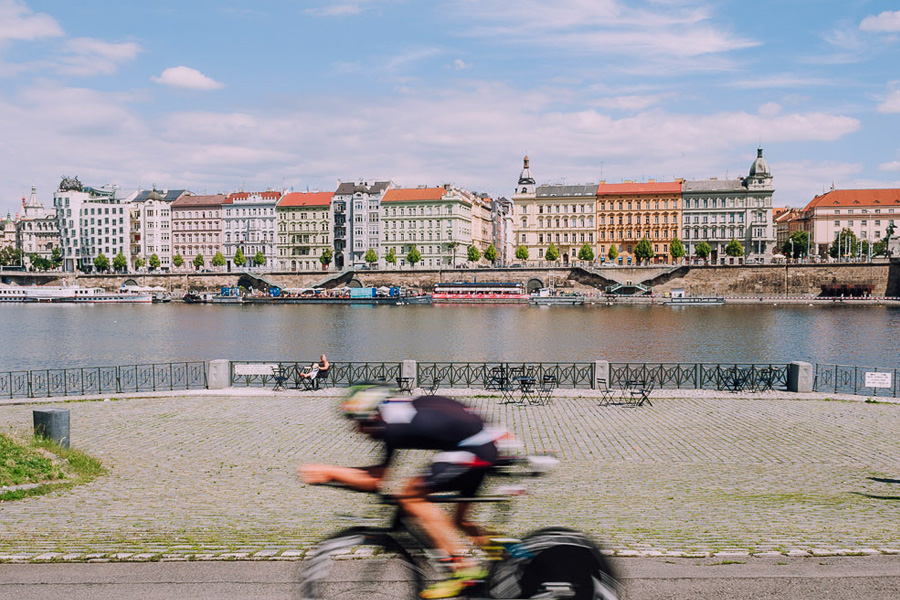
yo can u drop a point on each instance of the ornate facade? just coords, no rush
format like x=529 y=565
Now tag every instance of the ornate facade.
x=304 y=230
x=629 y=212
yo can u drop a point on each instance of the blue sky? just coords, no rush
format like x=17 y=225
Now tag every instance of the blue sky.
x=228 y=95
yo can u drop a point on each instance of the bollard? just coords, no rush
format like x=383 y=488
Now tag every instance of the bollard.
x=52 y=423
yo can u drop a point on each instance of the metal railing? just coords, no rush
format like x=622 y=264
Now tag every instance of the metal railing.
x=840 y=379
x=480 y=375
x=339 y=374
x=89 y=381
x=701 y=376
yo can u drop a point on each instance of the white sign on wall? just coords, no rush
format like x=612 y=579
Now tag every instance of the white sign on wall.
x=879 y=380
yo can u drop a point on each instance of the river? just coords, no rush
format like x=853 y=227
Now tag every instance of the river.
x=40 y=336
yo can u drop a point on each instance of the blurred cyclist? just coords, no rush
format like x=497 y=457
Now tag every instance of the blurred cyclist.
x=466 y=448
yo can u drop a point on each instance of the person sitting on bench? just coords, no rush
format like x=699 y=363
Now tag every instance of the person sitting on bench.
x=316 y=370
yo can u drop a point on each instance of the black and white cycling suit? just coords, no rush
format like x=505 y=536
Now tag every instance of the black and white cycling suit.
x=467 y=448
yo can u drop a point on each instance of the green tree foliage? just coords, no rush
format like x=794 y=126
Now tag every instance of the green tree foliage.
x=413 y=256
x=259 y=259
x=10 y=256
x=846 y=242
x=120 y=263
x=703 y=250
x=101 y=263
x=586 y=252
x=613 y=252
x=552 y=254
x=153 y=262
x=676 y=249
x=139 y=262
x=218 y=259
x=734 y=248
x=56 y=256
x=473 y=254
x=452 y=246
x=371 y=256
x=326 y=257
x=490 y=253
x=239 y=259
x=800 y=245
x=522 y=253
x=39 y=263
x=643 y=250
x=178 y=260
x=199 y=261
x=391 y=257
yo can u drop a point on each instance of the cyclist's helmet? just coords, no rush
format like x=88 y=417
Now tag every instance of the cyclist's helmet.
x=363 y=400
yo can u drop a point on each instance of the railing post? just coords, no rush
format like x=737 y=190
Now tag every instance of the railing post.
x=409 y=368
x=800 y=377
x=698 y=369
x=601 y=371
x=219 y=374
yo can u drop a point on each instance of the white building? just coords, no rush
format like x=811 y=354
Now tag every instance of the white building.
x=37 y=231
x=356 y=215
x=249 y=223
x=151 y=226
x=717 y=211
x=92 y=221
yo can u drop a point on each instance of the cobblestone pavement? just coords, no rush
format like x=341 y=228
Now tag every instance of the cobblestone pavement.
x=212 y=476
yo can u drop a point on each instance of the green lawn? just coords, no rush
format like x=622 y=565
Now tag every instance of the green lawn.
x=40 y=461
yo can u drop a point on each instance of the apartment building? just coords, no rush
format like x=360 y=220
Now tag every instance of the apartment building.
x=150 y=215
x=249 y=223
x=36 y=228
x=304 y=230
x=629 y=212
x=867 y=213
x=92 y=221
x=197 y=227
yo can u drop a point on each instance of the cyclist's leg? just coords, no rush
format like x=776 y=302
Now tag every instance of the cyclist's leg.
x=436 y=523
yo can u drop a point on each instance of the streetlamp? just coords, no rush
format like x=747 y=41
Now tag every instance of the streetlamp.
x=791 y=240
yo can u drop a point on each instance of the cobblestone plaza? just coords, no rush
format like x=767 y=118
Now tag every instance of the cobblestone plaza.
x=697 y=473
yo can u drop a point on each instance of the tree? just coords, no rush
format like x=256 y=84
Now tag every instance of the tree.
x=56 y=256
x=101 y=263
x=218 y=259
x=391 y=257
x=644 y=250
x=239 y=259
x=199 y=261
x=452 y=246
x=259 y=259
x=153 y=262
x=326 y=257
x=473 y=254
x=178 y=260
x=522 y=253
x=413 y=256
x=552 y=254
x=10 y=256
x=845 y=242
x=703 y=250
x=490 y=253
x=676 y=249
x=734 y=248
x=613 y=252
x=39 y=263
x=586 y=252
x=799 y=247
x=371 y=257
x=120 y=263
x=139 y=262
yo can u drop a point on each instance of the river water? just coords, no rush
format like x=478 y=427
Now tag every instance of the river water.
x=55 y=336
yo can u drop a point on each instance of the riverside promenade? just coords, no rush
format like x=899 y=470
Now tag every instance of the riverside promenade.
x=210 y=475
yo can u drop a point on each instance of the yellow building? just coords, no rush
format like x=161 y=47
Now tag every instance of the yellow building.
x=628 y=212
x=436 y=220
x=304 y=230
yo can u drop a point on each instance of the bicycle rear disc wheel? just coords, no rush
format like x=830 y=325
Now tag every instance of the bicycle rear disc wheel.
x=360 y=565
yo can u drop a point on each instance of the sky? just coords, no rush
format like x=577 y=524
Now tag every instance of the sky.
x=229 y=95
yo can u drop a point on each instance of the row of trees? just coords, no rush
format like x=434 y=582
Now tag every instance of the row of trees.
x=643 y=250
x=473 y=254
x=845 y=244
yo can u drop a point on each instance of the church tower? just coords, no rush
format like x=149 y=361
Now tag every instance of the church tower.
x=525 y=186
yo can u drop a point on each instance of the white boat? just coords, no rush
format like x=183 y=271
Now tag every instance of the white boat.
x=61 y=293
x=695 y=301
x=550 y=297
x=157 y=293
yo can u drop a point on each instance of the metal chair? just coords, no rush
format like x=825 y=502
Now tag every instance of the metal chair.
x=607 y=394
x=544 y=393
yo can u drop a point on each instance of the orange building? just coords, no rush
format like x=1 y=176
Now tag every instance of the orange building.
x=628 y=212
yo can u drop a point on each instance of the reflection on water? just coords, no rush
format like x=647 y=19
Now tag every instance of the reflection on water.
x=53 y=336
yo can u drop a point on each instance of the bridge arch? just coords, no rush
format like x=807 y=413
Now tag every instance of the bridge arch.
x=533 y=285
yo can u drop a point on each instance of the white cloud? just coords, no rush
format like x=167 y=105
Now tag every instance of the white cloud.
x=886 y=22
x=890 y=166
x=891 y=104
x=769 y=110
x=18 y=22
x=460 y=65
x=187 y=78
x=86 y=56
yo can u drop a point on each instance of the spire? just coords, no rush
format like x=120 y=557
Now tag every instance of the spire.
x=33 y=201
x=526 y=181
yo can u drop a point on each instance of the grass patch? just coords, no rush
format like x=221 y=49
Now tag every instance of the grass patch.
x=45 y=463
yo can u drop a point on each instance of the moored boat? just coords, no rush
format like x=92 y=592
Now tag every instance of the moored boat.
x=460 y=292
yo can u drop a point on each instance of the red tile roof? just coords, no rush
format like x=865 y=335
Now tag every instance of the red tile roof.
x=853 y=198
x=268 y=195
x=650 y=187
x=306 y=199
x=413 y=194
x=200 y=201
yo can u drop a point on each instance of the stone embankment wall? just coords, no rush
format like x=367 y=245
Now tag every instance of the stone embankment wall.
x=749 y=280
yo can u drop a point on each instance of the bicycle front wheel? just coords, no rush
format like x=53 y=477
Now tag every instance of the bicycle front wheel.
x=360 y=563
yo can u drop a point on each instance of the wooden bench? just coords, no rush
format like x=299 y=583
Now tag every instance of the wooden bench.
x=263 y=370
